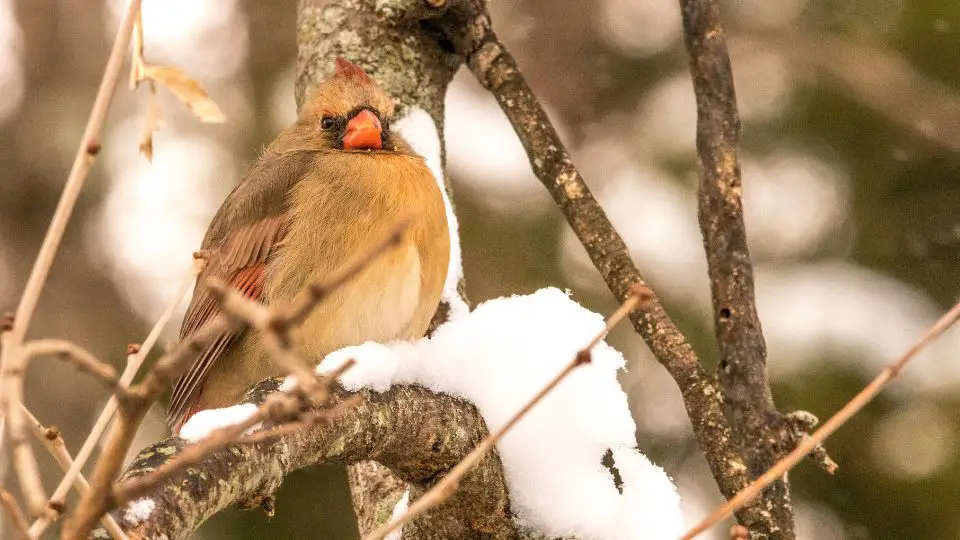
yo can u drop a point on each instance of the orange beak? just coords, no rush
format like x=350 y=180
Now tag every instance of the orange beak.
x=363 y=132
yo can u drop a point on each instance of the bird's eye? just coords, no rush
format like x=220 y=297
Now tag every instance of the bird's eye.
x=327 y=122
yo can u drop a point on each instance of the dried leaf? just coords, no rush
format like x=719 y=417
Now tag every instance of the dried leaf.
x=151 y=124
x=187 y=90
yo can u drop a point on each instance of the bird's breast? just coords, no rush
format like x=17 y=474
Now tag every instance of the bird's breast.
x=345 y=208
x=378 y=304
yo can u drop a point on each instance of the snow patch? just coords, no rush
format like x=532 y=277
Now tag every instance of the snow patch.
x=399 y=510
x=498 y=357
x=419 y=130
x=202 y=424
x=138 y=511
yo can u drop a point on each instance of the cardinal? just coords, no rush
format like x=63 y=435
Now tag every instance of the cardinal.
x=330 y=185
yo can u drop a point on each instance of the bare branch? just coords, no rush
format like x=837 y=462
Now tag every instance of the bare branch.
x=810 y=443
x=50 y=437
x=761 y=432
x=83 y=161
x=639 y=296
x=136 y=356
x=11 y=362
x=76 y=355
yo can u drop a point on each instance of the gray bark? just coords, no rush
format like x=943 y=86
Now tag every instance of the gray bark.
x=416 y=434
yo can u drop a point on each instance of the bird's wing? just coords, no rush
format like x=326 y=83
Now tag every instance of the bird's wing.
x=240 y=262
x=242 y=236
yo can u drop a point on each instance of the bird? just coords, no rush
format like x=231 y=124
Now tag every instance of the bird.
x=329 y=186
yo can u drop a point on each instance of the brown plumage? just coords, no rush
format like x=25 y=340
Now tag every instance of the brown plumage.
x=329 y=186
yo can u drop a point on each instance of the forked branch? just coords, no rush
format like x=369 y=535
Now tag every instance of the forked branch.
x=809 y=444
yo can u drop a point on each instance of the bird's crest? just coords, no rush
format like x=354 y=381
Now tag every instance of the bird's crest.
x=348 y=70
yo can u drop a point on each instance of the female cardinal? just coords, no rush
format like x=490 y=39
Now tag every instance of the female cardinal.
x=330 y=185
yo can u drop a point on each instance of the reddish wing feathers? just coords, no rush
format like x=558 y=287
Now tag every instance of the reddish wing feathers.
x=240 y=261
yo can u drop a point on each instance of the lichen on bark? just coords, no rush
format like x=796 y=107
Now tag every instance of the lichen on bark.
x=415 y=433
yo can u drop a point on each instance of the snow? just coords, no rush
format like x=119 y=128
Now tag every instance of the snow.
x=419 y=130
x=399 y=510
x=202 y=424
x=498 y=357
x=138 y=510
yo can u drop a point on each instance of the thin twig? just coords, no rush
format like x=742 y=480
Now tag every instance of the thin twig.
x=98 y=499
x=50 y=437
x=134 y=361
x=11 y=368
x=82 y=359
x=306 y=421
x=809 y=443
x=13 y=510
x=638 y=297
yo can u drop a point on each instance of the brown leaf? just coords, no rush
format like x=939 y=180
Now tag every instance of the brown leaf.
x=187 y=90
x=151 y=123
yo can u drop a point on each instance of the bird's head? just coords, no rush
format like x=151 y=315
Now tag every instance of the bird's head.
x=350 y=112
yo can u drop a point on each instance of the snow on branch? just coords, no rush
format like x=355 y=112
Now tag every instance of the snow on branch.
x=419 y=434
x=422 y=407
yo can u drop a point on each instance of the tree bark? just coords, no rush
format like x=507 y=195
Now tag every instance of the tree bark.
x=761 y=432
x=417 y=434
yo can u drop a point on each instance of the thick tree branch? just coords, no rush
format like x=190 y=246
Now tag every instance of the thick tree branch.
x=418 y=434
x=761 y=432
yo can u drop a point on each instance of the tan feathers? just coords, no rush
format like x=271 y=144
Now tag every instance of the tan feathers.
x=305 y=207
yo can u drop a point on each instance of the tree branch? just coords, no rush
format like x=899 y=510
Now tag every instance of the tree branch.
x=761 y=432
x=136 y=354
x=418 y=434
x=811 y=443
x=50 y=437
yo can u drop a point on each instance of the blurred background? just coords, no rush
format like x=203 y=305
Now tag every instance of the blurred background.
x=851 y=112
